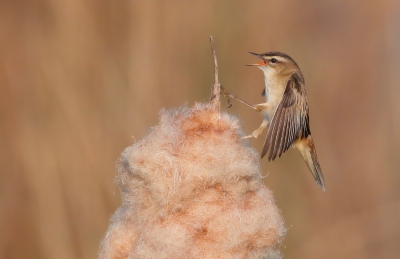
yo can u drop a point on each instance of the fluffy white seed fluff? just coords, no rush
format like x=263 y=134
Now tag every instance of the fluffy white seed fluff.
x=192 y=189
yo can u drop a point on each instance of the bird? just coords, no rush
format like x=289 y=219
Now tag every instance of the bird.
x=285 y=111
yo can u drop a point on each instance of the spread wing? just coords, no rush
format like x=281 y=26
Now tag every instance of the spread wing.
x=290 y=120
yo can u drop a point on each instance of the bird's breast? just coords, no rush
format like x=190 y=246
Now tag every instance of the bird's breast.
x=273 y=93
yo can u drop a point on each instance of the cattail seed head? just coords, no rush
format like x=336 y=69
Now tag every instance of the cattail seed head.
x=192 y=189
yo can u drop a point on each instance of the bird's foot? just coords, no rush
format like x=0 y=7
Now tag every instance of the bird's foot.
x=255 y=134
x=227 y=96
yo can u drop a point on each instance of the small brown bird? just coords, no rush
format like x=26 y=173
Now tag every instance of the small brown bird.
x=285 y=111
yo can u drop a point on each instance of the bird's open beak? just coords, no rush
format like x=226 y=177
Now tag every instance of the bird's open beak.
x=257 y=64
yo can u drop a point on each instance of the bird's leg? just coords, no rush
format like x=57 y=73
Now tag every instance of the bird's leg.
x=257 y=132
x=228 y=96
x=261 y=107
x=257 y=107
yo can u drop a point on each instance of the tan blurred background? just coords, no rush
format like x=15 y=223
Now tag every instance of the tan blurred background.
x=80 y=79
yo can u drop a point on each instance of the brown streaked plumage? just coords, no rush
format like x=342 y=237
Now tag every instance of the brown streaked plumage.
x=309 y=154
x=290 y=120
x=285 y=111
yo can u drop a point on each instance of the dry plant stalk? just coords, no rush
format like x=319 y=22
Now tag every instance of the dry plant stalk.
x=192 y=189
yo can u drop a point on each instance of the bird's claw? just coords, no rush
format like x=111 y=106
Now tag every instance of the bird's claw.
x=227 y=96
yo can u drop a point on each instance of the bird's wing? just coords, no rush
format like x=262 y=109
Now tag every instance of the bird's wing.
x=290 y=120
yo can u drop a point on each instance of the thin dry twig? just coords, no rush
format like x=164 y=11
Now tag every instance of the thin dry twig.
x=216 y=90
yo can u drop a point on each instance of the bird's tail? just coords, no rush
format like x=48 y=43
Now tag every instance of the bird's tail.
x=309 y=153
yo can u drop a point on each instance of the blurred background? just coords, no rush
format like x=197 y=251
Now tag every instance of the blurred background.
x=80 y=79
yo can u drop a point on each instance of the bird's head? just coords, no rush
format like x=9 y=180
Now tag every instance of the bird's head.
x=276 y=64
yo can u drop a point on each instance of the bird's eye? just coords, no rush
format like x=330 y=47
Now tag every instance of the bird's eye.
x=273 y=60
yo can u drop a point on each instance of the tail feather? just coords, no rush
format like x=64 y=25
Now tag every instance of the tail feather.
x=307 y=150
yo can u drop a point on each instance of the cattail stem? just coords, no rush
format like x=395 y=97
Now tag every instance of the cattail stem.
x=216 y=90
